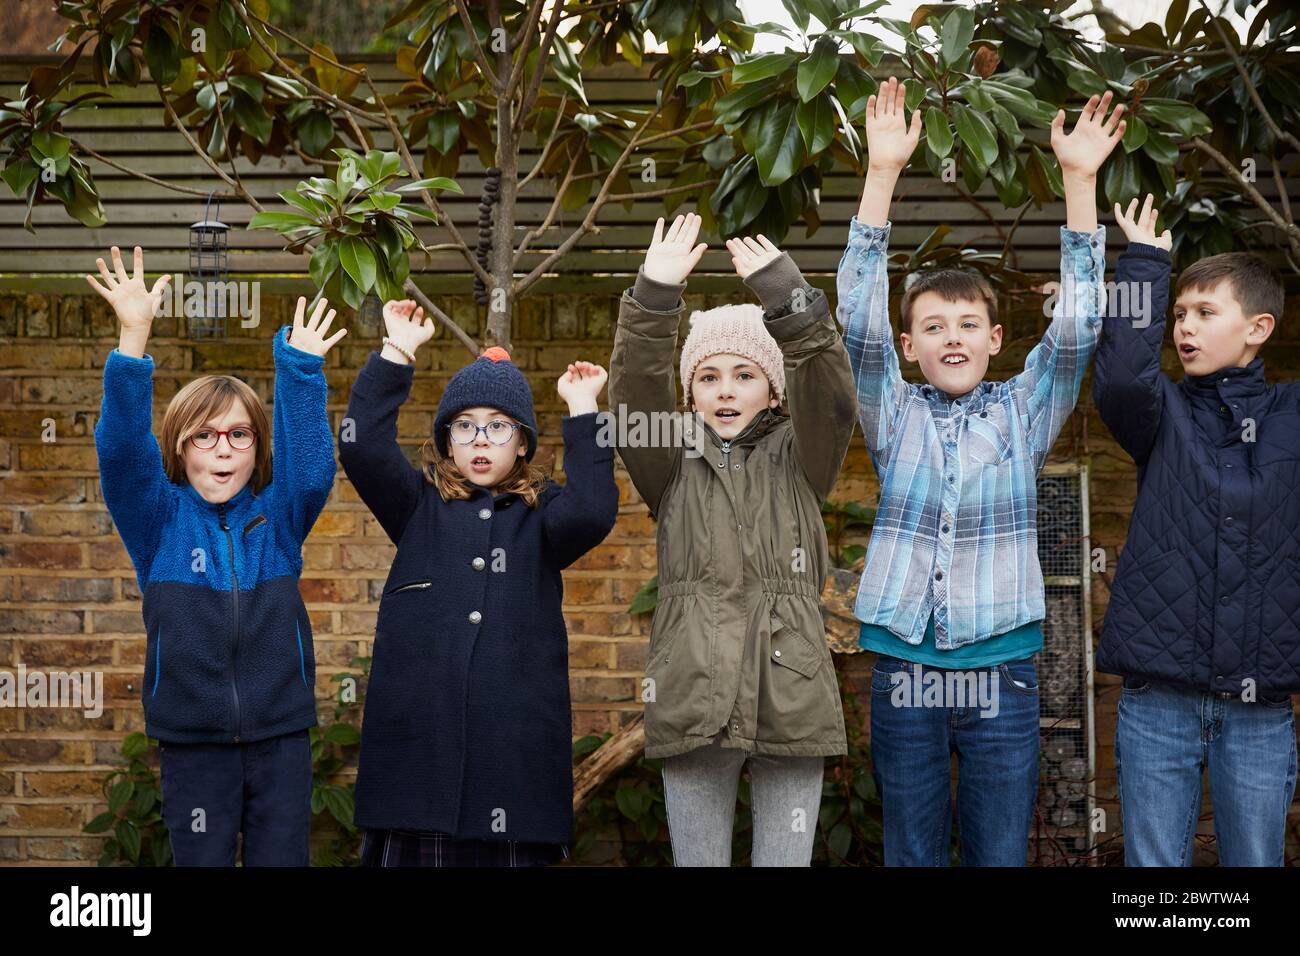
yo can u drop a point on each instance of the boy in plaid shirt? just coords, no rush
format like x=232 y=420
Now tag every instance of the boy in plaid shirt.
x=951 y=585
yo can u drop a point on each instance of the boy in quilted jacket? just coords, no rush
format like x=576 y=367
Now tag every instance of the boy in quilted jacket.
x=1204 y=614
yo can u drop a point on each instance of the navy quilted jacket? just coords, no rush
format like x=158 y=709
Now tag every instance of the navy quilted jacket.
x=467 y=726
x=1207 y=591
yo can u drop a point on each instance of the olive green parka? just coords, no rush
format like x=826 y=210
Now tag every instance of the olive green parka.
x=738 y=645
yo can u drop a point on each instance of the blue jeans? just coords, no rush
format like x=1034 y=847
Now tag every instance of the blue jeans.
x=997 y=750
x=261 y=789
x=1165 y=736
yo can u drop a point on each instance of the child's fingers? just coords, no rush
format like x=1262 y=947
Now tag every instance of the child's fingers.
x=103 y=270
x=675 y=229
x=753 y=246
x=1089 y=108
x=1058 y=121
x=915 y=130
x=767 y=243
x=325 y=323
x=316 y=314
x=138 y=271
x=118 y=267
x=696 y=253
x=692 y=230
x=94 y=284
x=900 y=97
x=299 y=312
x=329 y=342
x=1115 y=117
x=659 y=231
x=871 y=107
x=1146 y=208
x=417 y=313
x=161 y=284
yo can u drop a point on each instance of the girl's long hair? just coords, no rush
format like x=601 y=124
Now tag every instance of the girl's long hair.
x=524 y=479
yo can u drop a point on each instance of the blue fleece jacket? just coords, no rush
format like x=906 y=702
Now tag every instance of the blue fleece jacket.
x=228 y=641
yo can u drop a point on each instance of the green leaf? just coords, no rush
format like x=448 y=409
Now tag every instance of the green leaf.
x=358 y=261
x=816 y=124
x=100 y=824
x=732 y=106
x=1120 y=181
x=780 y=150
x=1051 y=172
x=957 y=32
x=976 y=132
x=1181 y=117
x=1159 y=147
x=120 y=792
x=761 y=67
x=323 y=263
x=937 y=131
x=50 y=145
x=434 y=182
x=342 y=734
x=284 y=222
x=1135 y=134
x=20 y=174
x=567 y=70
x=129 y=837
x=817 y=69
x=315 y=133
x=161 y=54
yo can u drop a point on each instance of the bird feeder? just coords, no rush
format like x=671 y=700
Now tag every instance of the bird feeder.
x=210 y=266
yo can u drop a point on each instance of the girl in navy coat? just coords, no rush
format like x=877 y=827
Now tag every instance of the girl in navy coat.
x=214 y=524
x=466 y=745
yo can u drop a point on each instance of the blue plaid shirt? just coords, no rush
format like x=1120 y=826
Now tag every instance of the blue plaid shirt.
x=955 y=530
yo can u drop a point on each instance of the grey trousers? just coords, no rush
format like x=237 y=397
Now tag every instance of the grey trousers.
x=700 y=796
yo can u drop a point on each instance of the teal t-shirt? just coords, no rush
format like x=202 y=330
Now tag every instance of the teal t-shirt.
x=1011 y=646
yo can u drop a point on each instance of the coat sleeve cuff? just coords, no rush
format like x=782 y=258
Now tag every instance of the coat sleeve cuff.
x=774 y=283
x=656 y=296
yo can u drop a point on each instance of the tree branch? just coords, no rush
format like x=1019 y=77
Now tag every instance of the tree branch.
x=82 y=147
x=429 y=199
x=537 y=167
x=589 y=220
x=535 y=81
x=1278 y=132
x=660 y=193
x=550 y=215
x=479 y=55
x=1232 y=172
x=520 y=44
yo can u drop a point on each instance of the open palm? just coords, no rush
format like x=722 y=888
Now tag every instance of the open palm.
x=134 y=303
x=672 y=255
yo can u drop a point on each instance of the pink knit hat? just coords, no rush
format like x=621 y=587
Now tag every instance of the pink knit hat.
x=732 y=330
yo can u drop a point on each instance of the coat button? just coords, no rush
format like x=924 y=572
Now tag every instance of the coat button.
x=776 y=653
x=485 y=513
x=475 y=617
x=479 y=564
x=1228 y=520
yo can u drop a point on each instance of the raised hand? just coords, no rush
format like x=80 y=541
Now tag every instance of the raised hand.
x=1142 y=227
x=1083 y=150
x=890 y=141
x=673 y=255
x=134 y=304
x=749 y=255
x=403 y=325
x=579 y=386
x=309 y=336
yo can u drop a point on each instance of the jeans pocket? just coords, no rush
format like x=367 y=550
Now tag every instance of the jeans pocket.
x=1135 y=685
x=883 y=679
x=1273 y=702
x=1020 y=677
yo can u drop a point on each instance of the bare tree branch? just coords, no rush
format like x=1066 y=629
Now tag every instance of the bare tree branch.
x=82 y=147
x=660 y=193
x=479 y=55
x=520 y=43
x=550 y=215
x=1277 y=131
x=535 y=81
x=1232 y=172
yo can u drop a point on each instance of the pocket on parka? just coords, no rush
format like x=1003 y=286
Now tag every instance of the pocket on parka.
x=791 y=649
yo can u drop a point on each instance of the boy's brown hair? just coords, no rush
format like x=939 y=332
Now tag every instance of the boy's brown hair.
x=953 y=285
x=1254 y=283
x=201 y=401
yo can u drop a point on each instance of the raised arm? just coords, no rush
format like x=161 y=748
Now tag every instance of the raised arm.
x=862 y=282
x=818 y=379
x=131 y=476
x=641 y=366
x=1127 y=383
x=583 y=512
x=1055 y=367
x=302 y=461
x=372 y=459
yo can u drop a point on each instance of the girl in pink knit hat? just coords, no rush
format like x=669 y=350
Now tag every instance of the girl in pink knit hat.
x=739 y=673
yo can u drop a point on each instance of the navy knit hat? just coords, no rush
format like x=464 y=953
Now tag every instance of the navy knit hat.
x=493 y=381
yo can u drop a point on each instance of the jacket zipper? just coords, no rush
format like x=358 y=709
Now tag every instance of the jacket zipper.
x=726 y=454
x=234 y=595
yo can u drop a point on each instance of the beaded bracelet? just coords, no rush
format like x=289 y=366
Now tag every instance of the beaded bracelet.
x=409 y=357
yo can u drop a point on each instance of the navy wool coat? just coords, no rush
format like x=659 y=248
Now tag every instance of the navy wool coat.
x=1207 y=591
x=467 y=726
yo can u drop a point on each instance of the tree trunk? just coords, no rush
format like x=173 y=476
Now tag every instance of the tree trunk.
x=603 y=763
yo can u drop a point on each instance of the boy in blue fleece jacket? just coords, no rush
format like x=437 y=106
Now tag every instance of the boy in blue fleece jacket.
x=214 y=524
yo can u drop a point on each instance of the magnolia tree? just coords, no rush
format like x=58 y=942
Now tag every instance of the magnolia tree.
x=745 y=138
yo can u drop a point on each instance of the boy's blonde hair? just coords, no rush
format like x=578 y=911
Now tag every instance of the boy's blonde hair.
x=524 y=479
x=201 y=401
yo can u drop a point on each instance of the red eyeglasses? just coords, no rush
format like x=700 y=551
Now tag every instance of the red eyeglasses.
x=240 y=438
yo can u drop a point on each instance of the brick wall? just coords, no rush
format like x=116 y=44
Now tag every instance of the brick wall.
x=68 y=598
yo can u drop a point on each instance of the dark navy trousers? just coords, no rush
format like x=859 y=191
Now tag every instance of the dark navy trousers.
x=213 y=792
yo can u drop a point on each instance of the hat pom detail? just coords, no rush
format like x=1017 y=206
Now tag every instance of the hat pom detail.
x=496 y=353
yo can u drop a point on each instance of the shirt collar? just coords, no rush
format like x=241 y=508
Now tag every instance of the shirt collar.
x=1240 y=381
